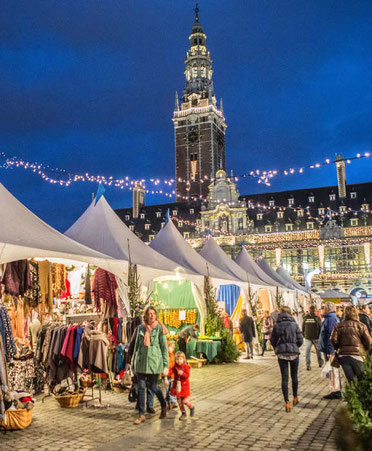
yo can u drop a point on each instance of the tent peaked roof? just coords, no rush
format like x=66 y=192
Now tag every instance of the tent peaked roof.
x=100 y=228
x=262 y=263
x=212 y=252
x=24 y=235
x=171 y=243
x=245 y=261
x=285 y=275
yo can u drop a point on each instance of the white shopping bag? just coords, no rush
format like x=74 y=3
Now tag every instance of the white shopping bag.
x=335 y=379
x=326 y=369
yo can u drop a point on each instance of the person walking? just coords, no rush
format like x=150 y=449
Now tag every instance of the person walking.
x=181 y=385
x=325 y=346
x=351 y=340
x=248 y=331
x=286 y=339
x=150 y=358
x=267 y=328
x=185 y=335
x=364 y=317
x=311 y=330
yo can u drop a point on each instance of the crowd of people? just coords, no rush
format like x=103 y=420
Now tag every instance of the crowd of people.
x=342 y=335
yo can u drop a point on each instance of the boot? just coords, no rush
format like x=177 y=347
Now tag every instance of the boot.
x=288 y=406
x=163 y=412
x=295 y=400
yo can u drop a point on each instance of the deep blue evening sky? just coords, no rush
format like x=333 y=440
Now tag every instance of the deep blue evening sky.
x=89 y=85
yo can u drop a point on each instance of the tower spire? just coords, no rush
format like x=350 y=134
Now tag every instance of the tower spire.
x=197 y=10
x=176 y=105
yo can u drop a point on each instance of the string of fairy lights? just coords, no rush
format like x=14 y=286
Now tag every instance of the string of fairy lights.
x=152 y=185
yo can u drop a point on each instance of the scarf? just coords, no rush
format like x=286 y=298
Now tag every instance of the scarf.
x=149 y=329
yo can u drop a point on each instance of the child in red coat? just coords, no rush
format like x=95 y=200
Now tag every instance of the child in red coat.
x=181 y=384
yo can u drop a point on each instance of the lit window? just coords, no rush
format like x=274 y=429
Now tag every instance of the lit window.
x=342 y=209
x=300 y=213
x=186 y=235
x=291 y=201
x=127 y=217
x=354 y=222
x=131 y=227
x=332 y=197
x=151 y=237
x=158 y=214
x=365 y=207
x=180 y=224
x=353 y=195
x=271 y=203
x=142 y=215
x=280 y=214
x=174 y=212
x=288 y=227
x=259 y=216
x=321 y=211
x=309 y=225
x=268 y=228
x=147 y=226
x=311 y=199
x=162 y=224
x=191 y=211
x=198 y=223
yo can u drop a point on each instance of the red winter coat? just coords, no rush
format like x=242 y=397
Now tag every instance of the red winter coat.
x=184 y=378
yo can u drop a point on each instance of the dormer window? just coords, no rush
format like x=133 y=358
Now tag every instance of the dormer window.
x=162 y=224
x=186 y=235
x=311 y=199
x=191 y=211
x=342 y=209
x=180 y=224
x=259 y=216
x=268 y=228
x=288 y=227
x=127 y=217
x=353 y=195
x=174 y=212
x=142 y=215
x=300 y=213
x=131 y=228
x=151 y=237
x=198 y=223
x=310 y=225
x=147 y=226
x=280 y=214
x=354 y=222
x=158 y=214
x=291 y=201
x=271 y=203
x=321 y=211
x=332 y=197
x=365 y=207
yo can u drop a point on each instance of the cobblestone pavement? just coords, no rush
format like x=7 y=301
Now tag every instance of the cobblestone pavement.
x=238 y=406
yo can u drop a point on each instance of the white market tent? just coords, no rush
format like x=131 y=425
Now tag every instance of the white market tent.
x=262 y=263
x=335 y=296
x=254 y=272
x=100 y=228
x=23 y=236
x=286 y=276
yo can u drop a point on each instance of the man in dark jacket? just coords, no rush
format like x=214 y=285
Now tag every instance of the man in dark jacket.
x=248 y=330
x=325 y=345
x=286 y=339
x=311 y=329
x=364 y=317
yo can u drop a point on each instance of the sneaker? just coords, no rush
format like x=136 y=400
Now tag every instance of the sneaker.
x=192 y=411
x=183 y=416
x=140 y=419
x=333 y=395
x=150 y=410
x=308 y=367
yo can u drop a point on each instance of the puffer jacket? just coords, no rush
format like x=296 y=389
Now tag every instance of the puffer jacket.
x=351 y=338
x=329 y=323
x=286 y=337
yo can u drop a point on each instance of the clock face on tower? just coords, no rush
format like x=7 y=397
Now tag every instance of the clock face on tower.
x=193 y=136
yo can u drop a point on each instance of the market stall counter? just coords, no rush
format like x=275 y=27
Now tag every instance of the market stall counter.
x=209 y=347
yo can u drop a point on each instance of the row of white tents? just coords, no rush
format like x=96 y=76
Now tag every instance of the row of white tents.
x=100 y=238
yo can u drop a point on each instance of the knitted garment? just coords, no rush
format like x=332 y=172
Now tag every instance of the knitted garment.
x=104 y=289
x=6 y=333
x=16 y=278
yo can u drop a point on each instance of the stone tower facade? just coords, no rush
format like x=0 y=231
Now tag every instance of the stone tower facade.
x=199 y=123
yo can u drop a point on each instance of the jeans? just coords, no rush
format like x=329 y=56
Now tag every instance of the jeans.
x=283 y=364
x=170 y=398
x=352 y=367
x=249 y=348
x=152 y=381
x=308 y=345
x=264 y=341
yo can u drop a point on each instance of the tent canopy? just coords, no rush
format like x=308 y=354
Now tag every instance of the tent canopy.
x=100 y=228
x=286 y=276
x=262 y=263
x=332 y=295
x=23 y=235
x=253 y=271
x=171 y=243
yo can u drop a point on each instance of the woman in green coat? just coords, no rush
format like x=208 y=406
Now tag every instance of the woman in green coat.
x=150 y=358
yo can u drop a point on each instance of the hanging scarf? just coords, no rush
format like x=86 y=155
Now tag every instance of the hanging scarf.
x=149 y=329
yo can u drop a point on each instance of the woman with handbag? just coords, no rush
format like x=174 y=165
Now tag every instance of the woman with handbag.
x=351 y=340
x=150 y=358
x=267 y=328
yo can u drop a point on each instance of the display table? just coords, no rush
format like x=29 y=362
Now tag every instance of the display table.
x=207 y=347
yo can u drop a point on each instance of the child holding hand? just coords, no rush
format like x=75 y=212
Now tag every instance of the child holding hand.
x=181 y=384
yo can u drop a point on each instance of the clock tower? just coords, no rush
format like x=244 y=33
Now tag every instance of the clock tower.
x=199 y=122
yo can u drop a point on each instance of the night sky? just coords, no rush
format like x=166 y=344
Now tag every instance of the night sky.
x=90 y=85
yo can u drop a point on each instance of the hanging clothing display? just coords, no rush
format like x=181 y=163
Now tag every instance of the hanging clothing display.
x=17 y=278
x=17 y=319
x=34 y=329
x=7 y=334
x=75 y=278
x=32 y=297
x=58 y=279
x=46 y=286
x=93 y=351
x=4 y=386
x=104 y=289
